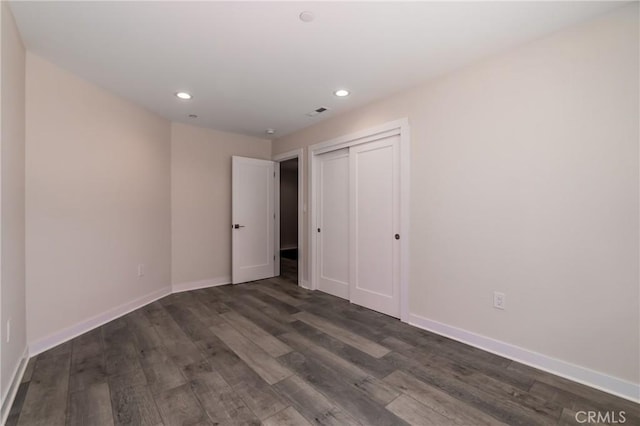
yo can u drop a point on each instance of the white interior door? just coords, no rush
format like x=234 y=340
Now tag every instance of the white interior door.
x=374 y=225
x=333 y=223
x=253 y=217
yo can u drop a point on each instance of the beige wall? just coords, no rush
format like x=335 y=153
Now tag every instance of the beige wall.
x=524 y=178
x=12 y=155
x=97 y=200
x=201 y=200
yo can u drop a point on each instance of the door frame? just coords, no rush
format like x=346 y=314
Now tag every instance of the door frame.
x=279 y=158
x=400 y=128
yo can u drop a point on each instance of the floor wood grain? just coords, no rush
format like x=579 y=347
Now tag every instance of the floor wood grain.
x=416 y=413
x=440 y=402
x=260 y=361
x=287 y=417
x=312 y=404
x=46 y=400
x=272 y=353
x=251 y=331
x=350 y=338
x=91 y=405
x=134 y=405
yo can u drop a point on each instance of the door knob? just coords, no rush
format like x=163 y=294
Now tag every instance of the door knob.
x=236 y=226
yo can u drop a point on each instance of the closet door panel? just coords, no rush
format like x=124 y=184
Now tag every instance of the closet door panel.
x=374 y=220
x=333 y=223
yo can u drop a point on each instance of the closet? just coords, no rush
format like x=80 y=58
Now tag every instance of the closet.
x=357 y=221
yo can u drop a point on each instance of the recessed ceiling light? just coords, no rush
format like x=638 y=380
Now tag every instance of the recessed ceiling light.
x=270 y=131
x=184 y=95
x=341 y=93
x=306 y=16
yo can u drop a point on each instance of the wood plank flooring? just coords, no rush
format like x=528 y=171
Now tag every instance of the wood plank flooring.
x=271 y=353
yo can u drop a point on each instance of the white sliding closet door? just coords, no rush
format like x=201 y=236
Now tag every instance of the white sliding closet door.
x=374 y=169
x=333 y=223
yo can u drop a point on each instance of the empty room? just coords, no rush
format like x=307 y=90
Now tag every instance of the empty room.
x=319 y=213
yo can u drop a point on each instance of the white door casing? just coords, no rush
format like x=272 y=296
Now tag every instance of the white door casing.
x=253 y=219
x=333 y=223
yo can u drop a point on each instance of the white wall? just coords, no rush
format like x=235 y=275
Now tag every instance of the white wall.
x=201 y=201
x=12 y=155
x=524 y=178
x=97 y=202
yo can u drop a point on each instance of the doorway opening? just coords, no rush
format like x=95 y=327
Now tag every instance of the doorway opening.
x=288 y=250
x=290 y=208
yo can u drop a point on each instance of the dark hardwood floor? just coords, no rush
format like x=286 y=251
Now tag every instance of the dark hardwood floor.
x=289 y=269
x=272 y=353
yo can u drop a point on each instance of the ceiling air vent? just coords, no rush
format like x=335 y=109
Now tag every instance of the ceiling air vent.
x=317 y=111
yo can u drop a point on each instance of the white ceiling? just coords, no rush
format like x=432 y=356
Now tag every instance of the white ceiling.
x=254 y=65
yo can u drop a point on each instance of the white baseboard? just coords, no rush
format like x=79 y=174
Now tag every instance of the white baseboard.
x=194 y=285
x=7 y=402
x=69 y=333
x=305 y=284
x=576 y=373
x=82 y=327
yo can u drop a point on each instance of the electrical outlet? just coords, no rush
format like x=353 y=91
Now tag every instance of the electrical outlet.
x=499 y=300
x=8 y=330
x=140 y=269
